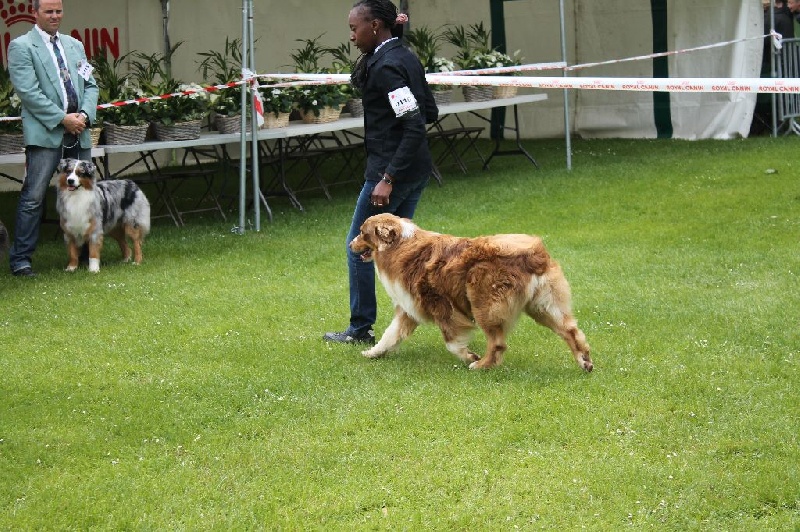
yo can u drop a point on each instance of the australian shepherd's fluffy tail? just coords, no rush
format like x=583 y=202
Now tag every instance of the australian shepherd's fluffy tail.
x=90 y=209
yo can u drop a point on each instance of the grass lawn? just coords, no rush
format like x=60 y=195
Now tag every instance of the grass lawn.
x=195 y=392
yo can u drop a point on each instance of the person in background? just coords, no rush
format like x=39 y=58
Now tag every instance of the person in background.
x=397 y=104
x=784 y=24
x=794 y=7
x=762 y=116
x=54 y=80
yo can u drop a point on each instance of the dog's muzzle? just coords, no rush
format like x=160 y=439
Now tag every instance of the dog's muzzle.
x=73 y=183
x=365 y=252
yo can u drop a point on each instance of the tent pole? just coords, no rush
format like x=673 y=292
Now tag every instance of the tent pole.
x=243 y=130
x=772 y=71
x=253 y=123
x=566 y=91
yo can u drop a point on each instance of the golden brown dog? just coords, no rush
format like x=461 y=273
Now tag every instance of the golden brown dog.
x=459 y=283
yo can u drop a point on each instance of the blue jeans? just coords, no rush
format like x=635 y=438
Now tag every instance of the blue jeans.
x=40 y=165
x=363 y=302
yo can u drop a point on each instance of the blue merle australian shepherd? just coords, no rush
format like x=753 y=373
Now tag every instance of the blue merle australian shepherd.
x=90 y=209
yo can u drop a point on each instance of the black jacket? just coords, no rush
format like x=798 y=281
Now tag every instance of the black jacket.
x=396 y=145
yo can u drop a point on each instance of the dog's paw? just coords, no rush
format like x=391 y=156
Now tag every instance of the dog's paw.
x=586 y=363
x=372 y=353
x=480 y=364
x=94 y=265
x=71 y=268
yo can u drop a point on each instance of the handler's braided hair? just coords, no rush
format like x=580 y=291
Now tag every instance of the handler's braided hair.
x=385 y=11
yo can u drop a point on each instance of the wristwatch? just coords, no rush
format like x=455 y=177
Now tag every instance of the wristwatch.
x=386 y=178
x=85 y=117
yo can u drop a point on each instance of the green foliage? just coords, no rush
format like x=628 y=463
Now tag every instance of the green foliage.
x=425 y=42
x=219 y=68
x=114 y=86
x=10 y=104
x=342 y=62
x=277 y=99
x=151 y=74
x=473 y=49
x=194 y=392
x=309 y=59
x=314 y=98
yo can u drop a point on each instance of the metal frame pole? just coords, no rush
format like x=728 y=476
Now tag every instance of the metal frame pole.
x=254 y=124
x=772 y=71
x=243 y=130
x=567 y=134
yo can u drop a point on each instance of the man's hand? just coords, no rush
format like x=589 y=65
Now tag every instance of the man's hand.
x=74 y=123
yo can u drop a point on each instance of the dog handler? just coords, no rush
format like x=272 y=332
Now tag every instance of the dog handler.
x=54 y=80
x=397 y=104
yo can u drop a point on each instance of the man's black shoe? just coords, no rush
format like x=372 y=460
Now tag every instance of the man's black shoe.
x=346 y=338
x=27 y=271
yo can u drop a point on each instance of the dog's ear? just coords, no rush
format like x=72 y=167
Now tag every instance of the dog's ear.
x=386 y=233
x=62 y=166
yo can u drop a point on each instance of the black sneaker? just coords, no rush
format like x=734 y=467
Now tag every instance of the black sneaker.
x=347 y=338
x=26 y=271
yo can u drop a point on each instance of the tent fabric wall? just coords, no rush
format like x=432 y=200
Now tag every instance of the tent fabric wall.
x=601 y=36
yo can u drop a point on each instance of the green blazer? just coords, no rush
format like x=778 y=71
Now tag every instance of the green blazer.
x=36 y=80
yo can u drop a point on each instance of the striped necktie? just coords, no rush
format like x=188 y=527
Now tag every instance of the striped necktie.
x=72 y=97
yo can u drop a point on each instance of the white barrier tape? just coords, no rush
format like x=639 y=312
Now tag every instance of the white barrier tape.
x=744 y=85
x=10 y=118
x=740 y=85
x=776 y=40
x=557 y=65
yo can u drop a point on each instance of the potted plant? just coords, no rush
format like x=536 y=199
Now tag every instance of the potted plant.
x=343 y=64
x=11 y=139
x=426 y=43
x=222 y=68
x=176 y=117
x=317 y=103
x=474 y=52
x=124 y=124
x=278 y=103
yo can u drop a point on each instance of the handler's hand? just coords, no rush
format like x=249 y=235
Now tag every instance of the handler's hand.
x=380 y=194
x=74 y=123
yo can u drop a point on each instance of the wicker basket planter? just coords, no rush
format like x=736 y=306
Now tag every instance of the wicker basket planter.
x=94 y=133
x=355 y=106
x=477 y=94
x=125 y=134
x=271 y=121
x=443 y=97
x=11 y=143
x=179 y=130
x=228 y=124
x=326 y=114
x=504 y=92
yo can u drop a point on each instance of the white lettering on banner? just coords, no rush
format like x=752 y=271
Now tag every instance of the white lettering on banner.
x=402 y=101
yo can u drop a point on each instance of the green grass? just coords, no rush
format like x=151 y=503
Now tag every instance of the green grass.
x=195 y=392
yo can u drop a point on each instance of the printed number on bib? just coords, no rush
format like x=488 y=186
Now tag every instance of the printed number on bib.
x=402 y=101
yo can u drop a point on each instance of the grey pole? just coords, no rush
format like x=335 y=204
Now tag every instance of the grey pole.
x=243 y=130
x=254 y=125
x=567 y=135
